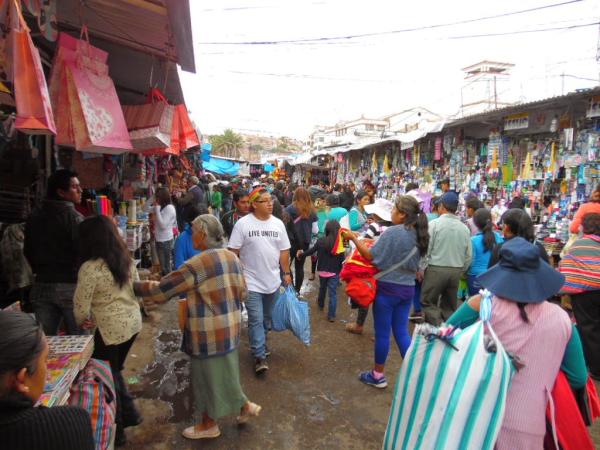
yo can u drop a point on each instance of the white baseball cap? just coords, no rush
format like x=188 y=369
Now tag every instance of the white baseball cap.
x=381 y=207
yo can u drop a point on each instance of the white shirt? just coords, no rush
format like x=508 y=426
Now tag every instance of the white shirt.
x=164 y=222
x=260 y=243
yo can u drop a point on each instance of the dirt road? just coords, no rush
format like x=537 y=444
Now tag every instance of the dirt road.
x=311 y=396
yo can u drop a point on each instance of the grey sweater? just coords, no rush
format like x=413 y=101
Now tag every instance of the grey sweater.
x=393 y=246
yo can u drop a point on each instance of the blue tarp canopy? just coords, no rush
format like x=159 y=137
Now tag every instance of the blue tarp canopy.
x=221 y=166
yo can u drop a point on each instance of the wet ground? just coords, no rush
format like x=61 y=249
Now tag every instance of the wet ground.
x=311 y=396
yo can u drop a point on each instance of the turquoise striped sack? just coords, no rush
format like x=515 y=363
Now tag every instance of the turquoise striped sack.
x=451 y=391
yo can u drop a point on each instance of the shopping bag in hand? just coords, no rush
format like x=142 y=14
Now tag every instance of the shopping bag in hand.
x=289 y=313
x=451 y=390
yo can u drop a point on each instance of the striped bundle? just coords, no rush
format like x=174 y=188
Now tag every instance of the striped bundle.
x=451 y=390
x=581 y=266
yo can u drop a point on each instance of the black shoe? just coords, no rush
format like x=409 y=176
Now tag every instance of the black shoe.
x=260 y=366
x=267 y=351
x=120 y=438
x=133 y=421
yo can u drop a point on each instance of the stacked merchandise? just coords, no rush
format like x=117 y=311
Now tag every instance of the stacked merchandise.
x=66 y=357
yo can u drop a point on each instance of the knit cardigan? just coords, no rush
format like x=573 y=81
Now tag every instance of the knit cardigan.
x=23 y=427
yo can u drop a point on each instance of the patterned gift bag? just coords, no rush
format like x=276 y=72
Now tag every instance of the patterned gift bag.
x=451 y=391
x=150 y=125
x=92 y=111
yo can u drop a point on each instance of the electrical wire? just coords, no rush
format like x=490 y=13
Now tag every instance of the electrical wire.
x=405 y=30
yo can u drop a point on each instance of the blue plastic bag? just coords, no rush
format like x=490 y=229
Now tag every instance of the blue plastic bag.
x=289 y=313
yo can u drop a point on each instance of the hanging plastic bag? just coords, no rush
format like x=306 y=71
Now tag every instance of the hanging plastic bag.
x=451 y=390
x=289 y=313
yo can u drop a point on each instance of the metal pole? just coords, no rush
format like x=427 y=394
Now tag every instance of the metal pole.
x=495 y=94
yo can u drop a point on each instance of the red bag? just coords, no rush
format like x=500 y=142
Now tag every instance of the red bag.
x=571 y=431
x=362 y=290
x=34 y=112
x=188 y=137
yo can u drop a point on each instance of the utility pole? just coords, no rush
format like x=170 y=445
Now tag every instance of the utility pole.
x=562 y=90
x=495 y=94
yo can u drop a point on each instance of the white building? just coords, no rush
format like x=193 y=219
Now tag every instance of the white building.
x=347 y=133
x=486 y=84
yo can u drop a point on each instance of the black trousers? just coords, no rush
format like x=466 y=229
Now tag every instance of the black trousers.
x=586 y=307
x=127 y=413
x=298 y=265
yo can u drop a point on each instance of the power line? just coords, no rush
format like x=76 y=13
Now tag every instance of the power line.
x=510 y=33
x=384 y=33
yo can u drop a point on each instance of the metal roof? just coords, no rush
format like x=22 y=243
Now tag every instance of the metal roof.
x=145 y=39
x=521 y=107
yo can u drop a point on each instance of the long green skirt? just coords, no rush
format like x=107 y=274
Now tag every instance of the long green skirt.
x=216 y=385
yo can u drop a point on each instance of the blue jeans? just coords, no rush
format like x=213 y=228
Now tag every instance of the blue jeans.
x=331 y=284
x=390 y=313
x=164 y=251
x=259 y=308
x=473 y=285
x=53 y=303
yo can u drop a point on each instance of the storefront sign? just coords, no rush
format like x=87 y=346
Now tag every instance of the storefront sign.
x=516 y=122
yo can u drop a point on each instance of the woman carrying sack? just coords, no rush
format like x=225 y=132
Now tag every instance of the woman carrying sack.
x=539 y=333
x=402 y=243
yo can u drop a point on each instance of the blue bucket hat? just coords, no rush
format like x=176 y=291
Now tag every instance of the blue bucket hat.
x=521 y=275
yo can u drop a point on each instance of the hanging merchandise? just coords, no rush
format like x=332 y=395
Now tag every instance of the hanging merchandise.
x=174 y=148
x=188 y=137
x=150 y=125
x=386 y=165
x=438 y=149
x=34 y=111
x=92 y=106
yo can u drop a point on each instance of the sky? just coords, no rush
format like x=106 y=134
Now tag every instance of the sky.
x=397 y=57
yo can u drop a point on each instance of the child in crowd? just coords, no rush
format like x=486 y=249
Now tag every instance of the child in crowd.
x=380 y=218
x=329 y=267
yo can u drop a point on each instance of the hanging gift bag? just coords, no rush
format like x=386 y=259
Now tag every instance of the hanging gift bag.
x=188 y=137
x=174 y=147
x=97 y=116
x=451 y=390
x=67 y=50
x=150 y=125
x=34 y=111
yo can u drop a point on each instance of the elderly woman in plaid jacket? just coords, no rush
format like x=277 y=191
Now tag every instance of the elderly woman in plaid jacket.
x=214 y=286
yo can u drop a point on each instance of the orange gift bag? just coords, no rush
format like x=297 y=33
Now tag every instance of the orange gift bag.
x=34 y=111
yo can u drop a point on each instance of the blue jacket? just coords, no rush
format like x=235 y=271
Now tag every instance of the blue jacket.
x=184 y=248
x=481 y=256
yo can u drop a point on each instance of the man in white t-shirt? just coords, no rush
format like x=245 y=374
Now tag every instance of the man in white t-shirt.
x=261 y=242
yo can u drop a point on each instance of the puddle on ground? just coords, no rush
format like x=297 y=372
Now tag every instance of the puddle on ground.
x=167 y=377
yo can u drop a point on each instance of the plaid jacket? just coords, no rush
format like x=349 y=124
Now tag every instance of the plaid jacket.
x=214 y=285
